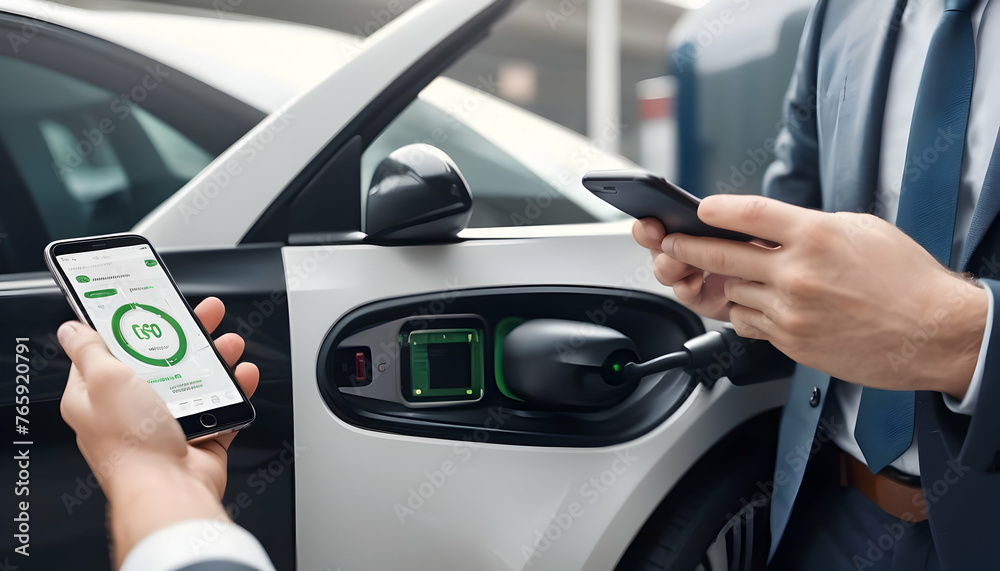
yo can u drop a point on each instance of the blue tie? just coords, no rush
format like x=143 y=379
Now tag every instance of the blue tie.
x=928 y=200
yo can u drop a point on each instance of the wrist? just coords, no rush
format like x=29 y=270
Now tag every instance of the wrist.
x=961 y=313
x=144 y=498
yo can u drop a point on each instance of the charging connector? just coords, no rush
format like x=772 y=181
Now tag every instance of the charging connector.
x=714 y=355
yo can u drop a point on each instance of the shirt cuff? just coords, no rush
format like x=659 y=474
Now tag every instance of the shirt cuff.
x=968 y=404
x=193 y=541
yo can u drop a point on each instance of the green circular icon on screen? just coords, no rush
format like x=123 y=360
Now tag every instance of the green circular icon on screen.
x=140 y=326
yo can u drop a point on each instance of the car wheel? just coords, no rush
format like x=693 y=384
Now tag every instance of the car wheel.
x=716 y=518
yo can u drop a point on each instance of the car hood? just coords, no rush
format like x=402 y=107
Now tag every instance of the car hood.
x=261 y=62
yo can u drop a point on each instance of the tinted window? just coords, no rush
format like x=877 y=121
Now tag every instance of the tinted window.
x=83 y=160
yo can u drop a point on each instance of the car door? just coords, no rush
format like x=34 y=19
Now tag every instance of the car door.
x=111 y=171
x=496 y=484
x=389 y=472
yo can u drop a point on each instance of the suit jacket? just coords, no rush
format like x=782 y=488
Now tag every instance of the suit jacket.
x=827 y=158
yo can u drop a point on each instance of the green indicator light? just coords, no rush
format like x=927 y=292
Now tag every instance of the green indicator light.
x=616 y=367
x=445 y=364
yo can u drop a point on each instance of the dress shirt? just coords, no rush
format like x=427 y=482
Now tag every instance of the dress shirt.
x=195 y=541
x=920 y=18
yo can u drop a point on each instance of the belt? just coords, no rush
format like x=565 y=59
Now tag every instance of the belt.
x=902 y=500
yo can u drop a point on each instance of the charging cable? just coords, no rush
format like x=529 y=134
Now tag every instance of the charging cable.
x=708 y=357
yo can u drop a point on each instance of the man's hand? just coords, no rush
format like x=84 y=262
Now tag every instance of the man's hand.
x=847 y=294
x=700 y=290
x=151 y=475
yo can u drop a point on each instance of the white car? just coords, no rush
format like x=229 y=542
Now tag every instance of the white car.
x=244 y=150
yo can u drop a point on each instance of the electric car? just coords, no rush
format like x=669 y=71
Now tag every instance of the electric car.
x=377 y=445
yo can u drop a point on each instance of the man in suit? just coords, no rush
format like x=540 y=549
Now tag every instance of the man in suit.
x=888 y=120
x=164 y=493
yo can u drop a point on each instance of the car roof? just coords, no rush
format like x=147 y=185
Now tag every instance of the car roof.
x=261 y=62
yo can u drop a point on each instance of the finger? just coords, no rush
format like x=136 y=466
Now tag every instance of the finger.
x=98 y=368
x=750 y=323
x=719 y=256
x=648 y=232
x=755 y=215
x=669 y=271
x=755 y=295
x=210 y=312
x=230 y=346
x=688 y=290
x=248 y=375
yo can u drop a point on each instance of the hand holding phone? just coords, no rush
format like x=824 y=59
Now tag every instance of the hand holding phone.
x=118 y=285
x=152 y=479
x=644 y=195
x=662 y=208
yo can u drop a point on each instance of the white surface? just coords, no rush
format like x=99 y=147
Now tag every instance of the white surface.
x=486 y=515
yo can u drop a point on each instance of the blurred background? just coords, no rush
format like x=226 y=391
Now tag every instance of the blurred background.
x=609 y=69
x=539 y=53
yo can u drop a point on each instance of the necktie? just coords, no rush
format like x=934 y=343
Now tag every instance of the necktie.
x=927 y=201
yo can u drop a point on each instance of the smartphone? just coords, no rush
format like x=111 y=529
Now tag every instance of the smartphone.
x=119 y=285
x=642 y=194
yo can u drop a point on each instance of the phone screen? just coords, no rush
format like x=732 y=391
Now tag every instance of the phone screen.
x=134 y=306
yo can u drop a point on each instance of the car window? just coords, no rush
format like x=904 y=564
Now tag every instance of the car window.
x=82 y=160
x=514 y=180
x=505 y=192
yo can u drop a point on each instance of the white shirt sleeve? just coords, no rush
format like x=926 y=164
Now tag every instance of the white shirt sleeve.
x=194 y=541
x=968 y=404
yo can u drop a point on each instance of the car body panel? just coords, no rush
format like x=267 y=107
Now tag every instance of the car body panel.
x=500 y=500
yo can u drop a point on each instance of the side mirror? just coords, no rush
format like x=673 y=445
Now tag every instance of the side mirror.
x=417 y=193
x=567 y=364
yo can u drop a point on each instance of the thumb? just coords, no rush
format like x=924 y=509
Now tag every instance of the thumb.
x=89 y=353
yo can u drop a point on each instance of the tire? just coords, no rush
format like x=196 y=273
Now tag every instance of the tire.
x=716 y=511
